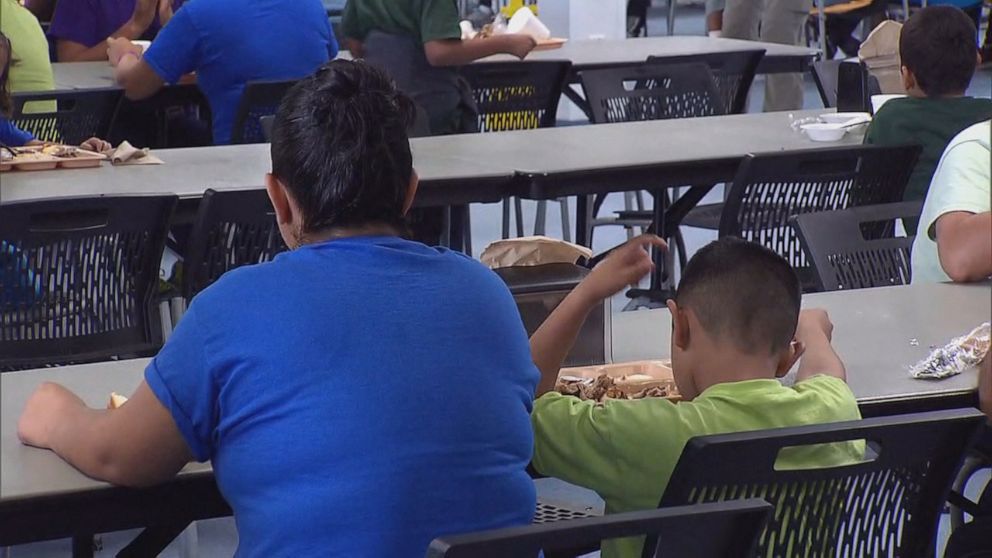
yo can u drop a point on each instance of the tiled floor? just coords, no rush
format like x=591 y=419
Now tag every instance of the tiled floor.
x=219 y=537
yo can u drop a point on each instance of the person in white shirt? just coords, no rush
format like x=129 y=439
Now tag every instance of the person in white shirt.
x=954 y=239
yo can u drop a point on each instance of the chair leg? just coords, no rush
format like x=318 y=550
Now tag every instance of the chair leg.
x=541 y=220
x=566 y=224
x=518 y=209
x=82 y=546
x=467 y=232
x=506 y=218
x=628 y=205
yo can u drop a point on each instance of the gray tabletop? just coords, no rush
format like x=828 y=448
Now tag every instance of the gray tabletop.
x=27 y=472
x=605 y=148
x=878 y=333
x=583 y=54
x=189 y=172
x=610 y=52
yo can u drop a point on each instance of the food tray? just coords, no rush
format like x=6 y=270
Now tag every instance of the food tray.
x=550 y=44
x=629 y=378
x=34 y=159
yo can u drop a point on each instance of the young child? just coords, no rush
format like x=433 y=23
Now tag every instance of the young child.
x=954 y=238
x=11 y=135
x=737 y=328
x=418 y=43
x=939 y=56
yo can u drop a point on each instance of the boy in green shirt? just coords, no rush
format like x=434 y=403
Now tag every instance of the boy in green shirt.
x=419 y=44
x=939 y=56
x=737 y=328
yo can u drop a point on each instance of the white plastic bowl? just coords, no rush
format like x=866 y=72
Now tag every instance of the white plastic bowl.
x=824 y=132
x=844 y=117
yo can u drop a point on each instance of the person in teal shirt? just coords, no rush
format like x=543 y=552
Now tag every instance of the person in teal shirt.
x=939 y=56
x=737 y=328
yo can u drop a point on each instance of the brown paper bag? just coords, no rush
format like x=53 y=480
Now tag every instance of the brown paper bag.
x=880 y=53
x=532 y=250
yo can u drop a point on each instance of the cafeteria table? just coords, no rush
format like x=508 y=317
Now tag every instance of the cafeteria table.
x=584 y=55
x=878 y=333
x=539 y=164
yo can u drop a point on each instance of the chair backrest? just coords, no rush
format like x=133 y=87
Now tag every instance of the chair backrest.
x=769 y=189
x=887 y=505
x=733 y=71
x=726 y=529
x=260 y=98
x=844 y=257
x=651 y=92
x=516 y=95
x=232 y=229
x=825 y=75
x=77 y=116
x=78 y=278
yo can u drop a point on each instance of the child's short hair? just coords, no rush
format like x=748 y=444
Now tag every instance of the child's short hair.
x=743 y=293
x=939 y=45
x=339 y=143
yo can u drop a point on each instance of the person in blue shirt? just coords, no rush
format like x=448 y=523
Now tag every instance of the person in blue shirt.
x=359 y=395
x=227 y=43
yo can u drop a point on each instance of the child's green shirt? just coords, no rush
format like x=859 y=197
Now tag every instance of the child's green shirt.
x=627 y=450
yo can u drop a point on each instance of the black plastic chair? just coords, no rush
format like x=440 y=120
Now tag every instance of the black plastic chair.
x=887 y=505
x=518 y=96
x=654 y=91
x=260 y=98
x=825 y=76
x=232 y=229
x=79 y=277
x=79 y=115
x=266 y=123
x=722 y=530
x=843 y=258
x=733 y=72
x=770 y=189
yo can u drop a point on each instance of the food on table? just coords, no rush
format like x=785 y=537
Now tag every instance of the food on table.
x=61 y=151
x=116 y=400
x=605 y=387
x=955 y=357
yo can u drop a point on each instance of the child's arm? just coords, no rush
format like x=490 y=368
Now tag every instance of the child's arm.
x=457 y=52
x=814 y=333
x=131 y=72
x=141 y=19
x=552 y=342
x=964 y=244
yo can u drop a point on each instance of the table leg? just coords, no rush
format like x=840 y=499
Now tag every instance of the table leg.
x=153 y=540
x=82 y=546
x=581 y=220
x=573 y=95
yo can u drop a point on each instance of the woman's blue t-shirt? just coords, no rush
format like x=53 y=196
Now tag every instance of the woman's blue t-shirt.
x=357 y=397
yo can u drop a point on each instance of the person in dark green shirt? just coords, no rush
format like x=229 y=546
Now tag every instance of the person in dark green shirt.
x=939 y=56
x=418 y=43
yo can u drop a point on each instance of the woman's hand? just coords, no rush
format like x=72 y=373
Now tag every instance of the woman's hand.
x=46 y=410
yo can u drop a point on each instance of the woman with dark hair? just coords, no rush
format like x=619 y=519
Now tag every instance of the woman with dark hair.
x=359 y=395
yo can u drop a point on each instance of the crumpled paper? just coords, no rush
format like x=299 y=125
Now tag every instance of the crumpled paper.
x=957 y=356
x=532 y=250
x=880 y=52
